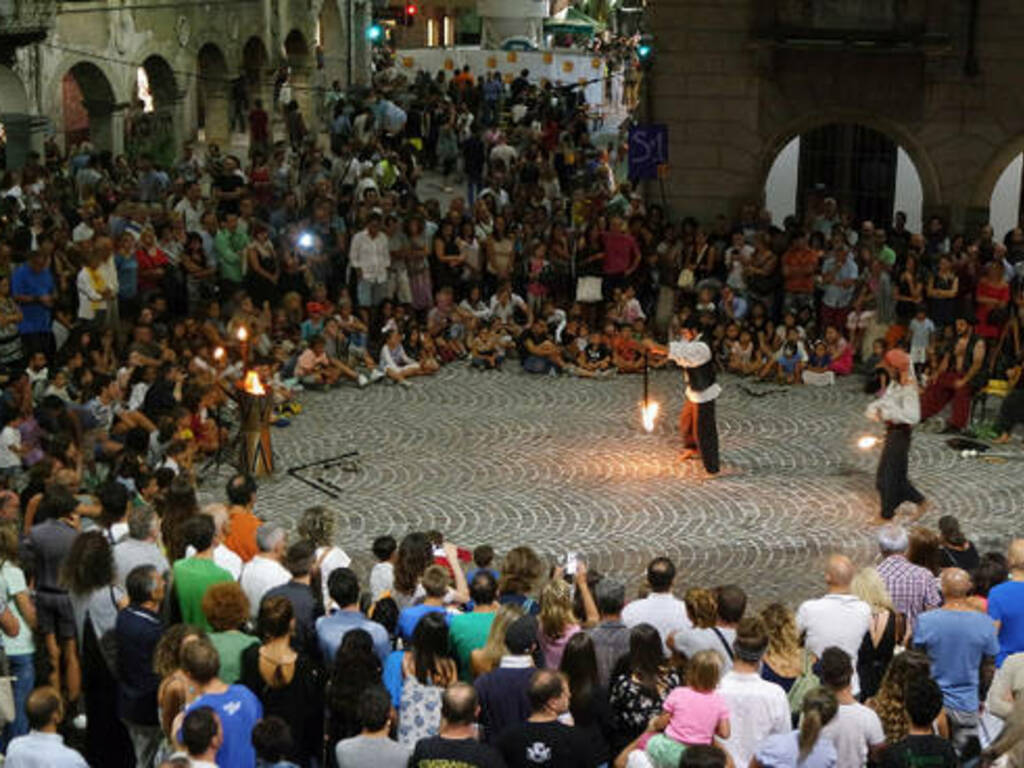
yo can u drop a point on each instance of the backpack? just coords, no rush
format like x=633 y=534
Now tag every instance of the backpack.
x=806 y=682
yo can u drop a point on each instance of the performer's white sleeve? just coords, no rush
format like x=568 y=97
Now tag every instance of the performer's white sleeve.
x=689 y=354
x=899 y=404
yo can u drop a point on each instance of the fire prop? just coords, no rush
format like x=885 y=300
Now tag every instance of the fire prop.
x=255 y=406
x=867 y=442
x=649 y=409
x=242 y=334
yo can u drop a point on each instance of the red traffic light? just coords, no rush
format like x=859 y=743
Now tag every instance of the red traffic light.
x=411 y=10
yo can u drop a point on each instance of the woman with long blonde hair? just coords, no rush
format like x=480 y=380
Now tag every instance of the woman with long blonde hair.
x=783 y=660
x=557 y=621
x=483 y=660
x=887 y=629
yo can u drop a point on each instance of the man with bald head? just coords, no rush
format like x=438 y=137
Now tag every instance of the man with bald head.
x=456 y=743
x=1006 y=604
x=962 y=645
x=839 y=618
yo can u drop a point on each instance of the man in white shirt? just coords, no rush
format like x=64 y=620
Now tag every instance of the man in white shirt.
x=856 y=730
x=43 y=747
x=757 y=708
x=370 y=257
x=264 y=571
x=661 y=609
x=839 y=618
x=190 y=207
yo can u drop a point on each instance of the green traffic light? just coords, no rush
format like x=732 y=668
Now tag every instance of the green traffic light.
x=643 y=51
x=375 y=32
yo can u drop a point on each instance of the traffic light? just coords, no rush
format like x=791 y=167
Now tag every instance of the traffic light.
x=375 y=33
x=411 y=9
x=645 y=50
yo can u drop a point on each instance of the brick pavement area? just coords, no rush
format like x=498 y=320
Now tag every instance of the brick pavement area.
x=563 y=464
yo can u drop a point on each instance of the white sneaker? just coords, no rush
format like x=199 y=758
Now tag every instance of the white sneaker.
x=376 y=375
x=362 y=381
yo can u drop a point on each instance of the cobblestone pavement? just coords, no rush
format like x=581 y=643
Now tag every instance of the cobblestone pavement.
x=563 y=464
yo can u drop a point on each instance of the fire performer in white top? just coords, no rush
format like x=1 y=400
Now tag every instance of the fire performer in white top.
x=697 y=423
x=899 y=408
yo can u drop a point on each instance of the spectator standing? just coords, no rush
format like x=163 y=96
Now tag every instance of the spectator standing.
x=588 y=699
x=235 y=705
x=921 y=746
x=370 y=257
x=353 y=670
x=640 y=684
x=330 y=629
x=192 y=576
x=913 y=588
x=373 y=746
x=140 y=546
x=839 y=618
x=757 y=708
x=33 y=290
x=556 y=619
x=730 y=604
x=468 y=631
x=956 y=550
x=382 y=575
x=520 y=570
x=610 y=635
x=886 y=630
x=203 y=737
x=807 y=746
x=264 y=571
x=542 y=740
x=661 y=609
x=317 y=526
x=137 y=633
x=242 y=523
x=426 y=670
x=226 y=608
x=502 y=692
x=457 y=743
x=19 y=648
x=43 y=747
x=960 y=642
x=855 y=731
x=285 y=680
x=306 y=606
x=1006 y=604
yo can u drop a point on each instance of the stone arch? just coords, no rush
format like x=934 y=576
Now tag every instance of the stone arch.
x=930 y=183
x=993 y=169
x=90 y=110
x=212 y=90
x=300 y=65
x=255 y=69
x=14 y=119
x=163 y=83
x=156 y=132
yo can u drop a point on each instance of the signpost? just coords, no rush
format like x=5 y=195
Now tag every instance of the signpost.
x=648 y=150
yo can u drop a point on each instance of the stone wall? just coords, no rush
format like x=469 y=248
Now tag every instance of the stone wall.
x=732 y=98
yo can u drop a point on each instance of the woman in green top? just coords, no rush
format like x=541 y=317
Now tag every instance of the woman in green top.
x=227 y=608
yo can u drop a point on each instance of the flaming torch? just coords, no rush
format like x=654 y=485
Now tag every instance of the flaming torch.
x=255 y=456
x=649 y=409
x=867 y=442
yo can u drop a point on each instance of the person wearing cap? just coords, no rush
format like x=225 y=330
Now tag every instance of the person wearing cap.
x=697 y=423
x=899 y=408
x=503 y=691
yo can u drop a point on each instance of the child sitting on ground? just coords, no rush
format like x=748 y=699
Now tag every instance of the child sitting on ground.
x=818 y=372
x=488 y=354
x=627 y=353
x=595 y=360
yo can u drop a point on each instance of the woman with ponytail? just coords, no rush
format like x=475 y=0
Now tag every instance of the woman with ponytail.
x=804 y=748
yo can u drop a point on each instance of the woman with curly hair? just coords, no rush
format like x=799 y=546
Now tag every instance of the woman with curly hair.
x=557 y=620
x=520 y=571
x=782 y=661
x=888 y=702
x=415 y=553
x=702 y=610
x=317 y=525
x=89 y=577
x=175 y=691
x=226 y=608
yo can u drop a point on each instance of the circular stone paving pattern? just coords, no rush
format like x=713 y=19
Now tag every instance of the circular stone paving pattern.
x=563 y=464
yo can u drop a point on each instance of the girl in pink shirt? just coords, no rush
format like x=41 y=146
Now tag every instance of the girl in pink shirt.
x=694 y=714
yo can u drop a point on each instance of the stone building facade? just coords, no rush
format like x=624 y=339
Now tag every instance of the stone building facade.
x=191 y=54
x=735 y=80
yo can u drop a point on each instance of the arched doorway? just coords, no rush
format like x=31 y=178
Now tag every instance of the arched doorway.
x=13 y=120
x=88 y=108
x=212 y=91
x=334 y=41
x=153 y=127
x=255 y=68
x=865 y=170
x=1004 y=204
x=300 y=66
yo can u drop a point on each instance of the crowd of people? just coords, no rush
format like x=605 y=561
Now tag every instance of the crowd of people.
x=135 y=297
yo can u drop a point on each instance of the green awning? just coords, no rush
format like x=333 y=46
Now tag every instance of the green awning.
x=572 y=21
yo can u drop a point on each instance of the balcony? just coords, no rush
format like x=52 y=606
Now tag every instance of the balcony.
x=25 y=21
x=858 y=24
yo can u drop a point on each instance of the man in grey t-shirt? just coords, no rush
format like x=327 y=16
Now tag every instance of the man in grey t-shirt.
x=372 y=746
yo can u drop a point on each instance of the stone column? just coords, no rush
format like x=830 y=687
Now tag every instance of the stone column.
x=175 y=107
x=217 y=117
